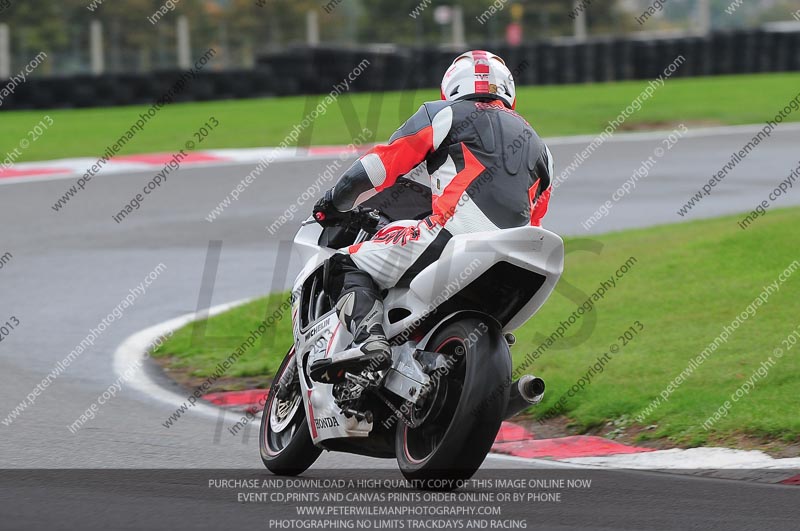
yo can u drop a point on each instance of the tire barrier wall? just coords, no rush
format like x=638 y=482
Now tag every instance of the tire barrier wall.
x=303 y=70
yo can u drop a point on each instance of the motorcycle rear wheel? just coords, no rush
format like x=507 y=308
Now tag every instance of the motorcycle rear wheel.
x=465 y=408
x=284 y=440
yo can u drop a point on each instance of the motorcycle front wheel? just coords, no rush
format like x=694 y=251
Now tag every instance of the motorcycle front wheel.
x=461 y=414
x=284 y=439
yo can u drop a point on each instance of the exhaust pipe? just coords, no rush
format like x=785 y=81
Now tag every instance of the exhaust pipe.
x=524 y=393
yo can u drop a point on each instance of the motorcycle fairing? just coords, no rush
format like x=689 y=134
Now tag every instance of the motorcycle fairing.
x=505 y=274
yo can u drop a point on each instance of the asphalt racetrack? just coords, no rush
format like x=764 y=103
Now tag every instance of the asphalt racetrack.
x=71 y=268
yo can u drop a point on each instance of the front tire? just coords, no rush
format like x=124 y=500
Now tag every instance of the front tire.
x=464 y=410
x=284 y=440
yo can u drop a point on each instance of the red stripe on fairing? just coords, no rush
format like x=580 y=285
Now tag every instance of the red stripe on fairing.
x=566 y=447
x=444 y=207
x=33 y=172
x=330 y=341
x=311 y=416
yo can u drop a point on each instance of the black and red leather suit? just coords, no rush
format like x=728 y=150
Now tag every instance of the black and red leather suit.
x=488 y=170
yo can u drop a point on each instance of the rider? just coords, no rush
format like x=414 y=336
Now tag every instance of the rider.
x=488 y=168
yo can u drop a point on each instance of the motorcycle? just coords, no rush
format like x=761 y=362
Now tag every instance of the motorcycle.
x=439 y=407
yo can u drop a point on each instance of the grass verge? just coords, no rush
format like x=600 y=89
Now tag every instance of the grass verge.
x=191 y=355
x=553 y=110
x=688 y=281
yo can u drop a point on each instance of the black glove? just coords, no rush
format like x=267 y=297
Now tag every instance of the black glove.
x=325 y=213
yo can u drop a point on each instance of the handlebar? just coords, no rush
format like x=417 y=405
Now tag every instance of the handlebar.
x=366 y=219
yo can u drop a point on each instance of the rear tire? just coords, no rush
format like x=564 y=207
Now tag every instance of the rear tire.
x=288 y=450
x=459 y=429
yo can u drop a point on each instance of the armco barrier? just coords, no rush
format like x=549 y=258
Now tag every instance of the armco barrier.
x=304 y=70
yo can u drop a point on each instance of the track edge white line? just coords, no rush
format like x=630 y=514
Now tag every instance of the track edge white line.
x=134 y=351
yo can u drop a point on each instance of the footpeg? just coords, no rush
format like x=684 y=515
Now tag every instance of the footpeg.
x=321 y=371
x=334 y=369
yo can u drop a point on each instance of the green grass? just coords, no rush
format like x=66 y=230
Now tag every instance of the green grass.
x=196 y=349
x=689 y=281
x=553 y=111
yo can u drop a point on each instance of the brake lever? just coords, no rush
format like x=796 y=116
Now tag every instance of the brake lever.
x=369 y=220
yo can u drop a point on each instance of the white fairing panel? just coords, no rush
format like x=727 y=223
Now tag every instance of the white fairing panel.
x=306 y=241
x=325 y=419
x=465 y=258
x=320 y=339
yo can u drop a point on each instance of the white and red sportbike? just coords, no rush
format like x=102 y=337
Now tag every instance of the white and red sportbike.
x=438 y=409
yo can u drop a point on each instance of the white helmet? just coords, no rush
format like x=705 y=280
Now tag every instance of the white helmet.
x=477 y=73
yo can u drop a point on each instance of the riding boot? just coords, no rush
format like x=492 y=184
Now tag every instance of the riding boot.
x=360 y=310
